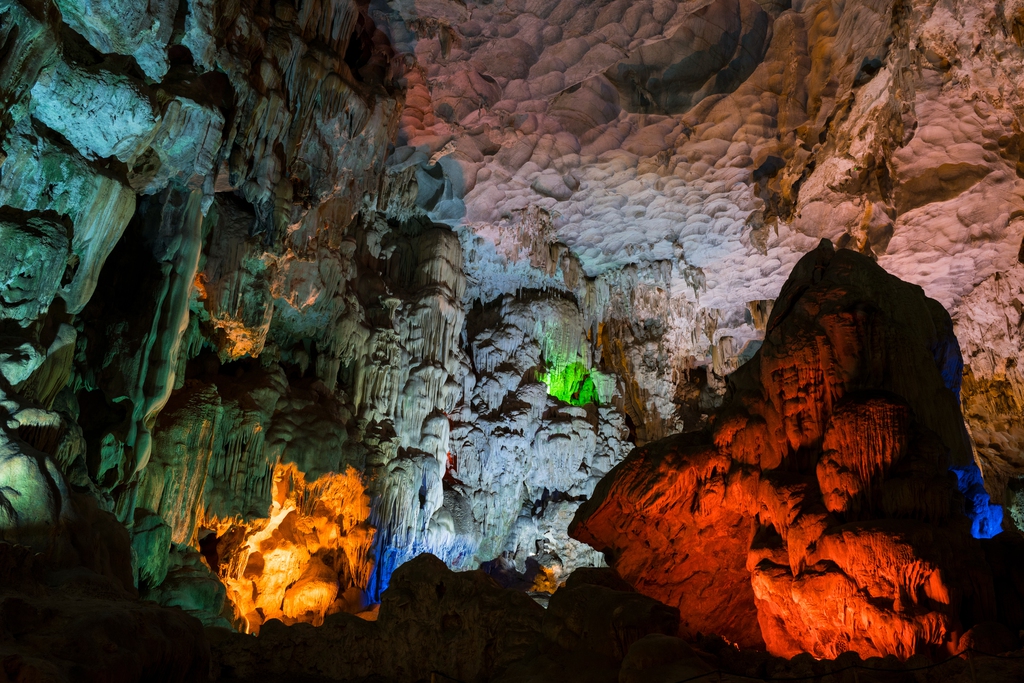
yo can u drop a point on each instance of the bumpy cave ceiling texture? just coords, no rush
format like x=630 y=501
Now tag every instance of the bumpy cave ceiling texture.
x=305 y=304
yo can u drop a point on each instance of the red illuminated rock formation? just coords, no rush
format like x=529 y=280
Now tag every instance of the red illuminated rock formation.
x=819 y=515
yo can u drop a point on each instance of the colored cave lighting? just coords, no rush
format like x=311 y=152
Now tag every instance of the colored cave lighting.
x=986 y=518
x=391 y=553
x=571 y=383
x=308 y=558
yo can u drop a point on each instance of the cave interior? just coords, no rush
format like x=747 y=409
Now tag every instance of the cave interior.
x=402 y=341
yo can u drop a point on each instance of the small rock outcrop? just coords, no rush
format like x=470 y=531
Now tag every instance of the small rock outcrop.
x=830 y=507
x=430 y=619
x=61 y=623
x=439 y=625
x=457 y=626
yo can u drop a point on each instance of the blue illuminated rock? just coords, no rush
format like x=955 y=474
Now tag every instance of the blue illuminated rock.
x=126 y=28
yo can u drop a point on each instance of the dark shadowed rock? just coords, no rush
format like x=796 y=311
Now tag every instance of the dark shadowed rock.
x=70 y=625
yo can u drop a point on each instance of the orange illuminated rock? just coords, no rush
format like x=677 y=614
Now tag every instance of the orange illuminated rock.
x=307 y=559
x=819 y=513
x=674 y=519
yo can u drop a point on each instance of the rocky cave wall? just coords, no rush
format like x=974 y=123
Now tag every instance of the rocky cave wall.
x=472 y=251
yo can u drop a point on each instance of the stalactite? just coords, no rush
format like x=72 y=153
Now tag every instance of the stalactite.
x=187 y=438
x=478 y=253
x=160 y=359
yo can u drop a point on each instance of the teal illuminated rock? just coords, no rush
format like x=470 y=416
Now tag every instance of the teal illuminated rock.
x=101 y=113
x=151 y=543
x=34 y=252
x=125 y=27
x=28 y=47
x=40 y=176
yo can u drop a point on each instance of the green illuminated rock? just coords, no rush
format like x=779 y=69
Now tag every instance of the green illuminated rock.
x=41 y=176
x=32 y=492
x=28 y=46
x=571 y=383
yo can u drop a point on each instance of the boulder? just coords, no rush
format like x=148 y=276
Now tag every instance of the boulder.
x=431 y=619
x=605 y=621
x=820 y=513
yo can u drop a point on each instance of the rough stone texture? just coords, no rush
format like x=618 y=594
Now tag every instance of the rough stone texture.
x=310 y=559
x=77 y=625
x=991 y=330
x=109 y=115
x=125 y=28
x=462 y=626
x=820 y=512
x=33 y=493
x=749 y=132
x=33 y=258
x=476 y=251
x=48 y=179
x=425 y=601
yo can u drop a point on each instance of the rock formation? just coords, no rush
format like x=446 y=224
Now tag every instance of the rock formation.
x=592 y=630
x=74 y=615
x=829 y=507
x=460 y=258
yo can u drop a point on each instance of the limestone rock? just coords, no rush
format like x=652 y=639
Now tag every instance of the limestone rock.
x=309 y=559
x=151 y=543
x=989 y=637
x=125 y=28
x=661 y=659
x=53 y=374
x=33 y=494
x=605 y=621
x=696 y=61
x=29 y=47
x=110 y=116
x=824 y=485
x=40 y=176
x=33 y=256
x=425 y=601
x=184 y=146
x=191 y=586
x=707 y=549
x=477 y=252
x=19 y=359
x=989 y=330
x=723 y=140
